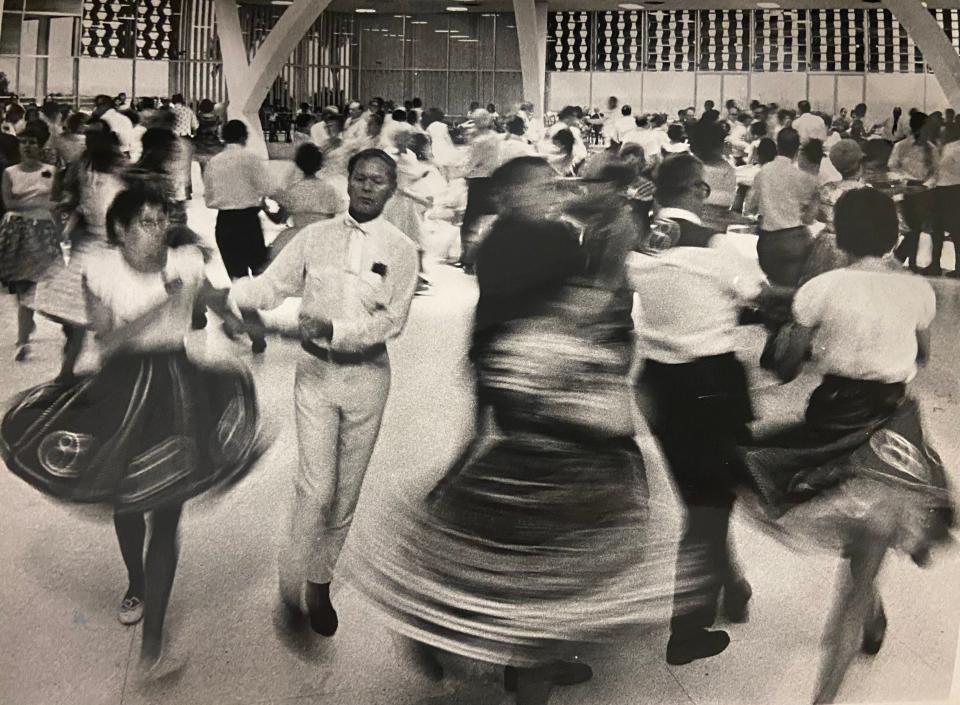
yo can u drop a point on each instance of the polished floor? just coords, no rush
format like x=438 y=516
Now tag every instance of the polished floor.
x=62 y=578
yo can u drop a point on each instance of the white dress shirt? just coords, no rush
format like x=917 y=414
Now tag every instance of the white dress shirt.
x=236 y=179
x=810 y=127
x=330 y=265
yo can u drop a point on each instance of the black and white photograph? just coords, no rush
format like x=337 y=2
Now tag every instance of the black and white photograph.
x=479 y=352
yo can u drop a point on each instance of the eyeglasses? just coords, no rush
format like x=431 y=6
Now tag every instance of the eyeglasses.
x=153 y=223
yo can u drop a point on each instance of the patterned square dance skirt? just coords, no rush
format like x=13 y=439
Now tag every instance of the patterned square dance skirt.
x=149 y=430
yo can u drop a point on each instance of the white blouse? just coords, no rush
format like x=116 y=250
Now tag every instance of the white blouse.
x=128 y=293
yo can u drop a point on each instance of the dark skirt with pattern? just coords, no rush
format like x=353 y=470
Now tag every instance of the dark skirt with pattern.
x=147 y=431
x=857 y=467
x=27 y=249
x=534 y=543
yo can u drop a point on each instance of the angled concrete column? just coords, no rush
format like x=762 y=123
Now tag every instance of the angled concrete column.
x=531 y=20
x=936 y=48
x=249 y=81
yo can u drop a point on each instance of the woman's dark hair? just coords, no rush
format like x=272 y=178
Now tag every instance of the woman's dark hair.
x=206 y=106
x=309 y=158
x=516 y=125
x=418 y=145
x=102 y=152
x=813 y=151
x=235 y=132
x=565 y=140
x=399 y=115
x=147 y=104
x=866 y=222
x=158 y=145
x=76 y=122
x=15 y=113
x=766 y=150
x=303 y=122
x=917 y=121
x=36 y=129
x=430 y=116
x=128 y=205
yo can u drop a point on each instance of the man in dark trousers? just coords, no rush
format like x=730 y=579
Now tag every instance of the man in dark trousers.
x=690 y=295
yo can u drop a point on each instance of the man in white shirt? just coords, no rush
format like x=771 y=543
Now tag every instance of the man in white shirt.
x=808 y=125
x=619 y=127
x=118 y=123
x=651 y=140
x=355 y=127
x=690 y=296
x=356 y=275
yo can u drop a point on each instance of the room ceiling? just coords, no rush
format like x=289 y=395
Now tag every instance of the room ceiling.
x=396 y=6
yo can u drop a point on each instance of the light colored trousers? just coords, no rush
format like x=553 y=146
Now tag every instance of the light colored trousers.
x=339 y=408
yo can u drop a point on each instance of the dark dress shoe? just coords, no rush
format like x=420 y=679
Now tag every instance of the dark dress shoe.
x=685 y=648
x=736 y=600
x=562 y=673
x=873 y=633
x=259 y=346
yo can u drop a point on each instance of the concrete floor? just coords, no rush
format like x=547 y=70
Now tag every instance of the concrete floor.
x=63 y=578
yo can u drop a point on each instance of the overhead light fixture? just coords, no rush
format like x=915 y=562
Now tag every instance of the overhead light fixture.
x=419 y=22
x=456 y=8
x=768 y=5
x=364 y=11
x=630 y=6
x=442 y=31
x=281 y=2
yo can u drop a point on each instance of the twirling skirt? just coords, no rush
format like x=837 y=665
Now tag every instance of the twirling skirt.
x=535 y=543
x=857 y=467
x=147 y=431
x=27 y=248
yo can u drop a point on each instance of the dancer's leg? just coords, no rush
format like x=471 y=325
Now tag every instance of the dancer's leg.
x=854 y=603
x=161 y=567
x=71 y=350
x=131 y=530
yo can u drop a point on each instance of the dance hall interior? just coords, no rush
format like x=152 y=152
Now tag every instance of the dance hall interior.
x=459 y=352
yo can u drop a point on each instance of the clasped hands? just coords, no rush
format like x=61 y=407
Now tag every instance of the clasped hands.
x=315 y=328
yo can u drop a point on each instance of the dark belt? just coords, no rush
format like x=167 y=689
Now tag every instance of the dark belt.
x=344 y=358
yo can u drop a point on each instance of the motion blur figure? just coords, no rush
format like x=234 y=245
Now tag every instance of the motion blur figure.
x=857 y=477
x=151 y=428
x=545 y=528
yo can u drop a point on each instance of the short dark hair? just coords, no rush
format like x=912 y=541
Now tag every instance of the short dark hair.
x=516 y=125
x=626 y=110
x=788 y=142
x=417 y=103
x=309 y=158
x=766 y=150
x=676 y=132
x=36 y=129
x=708 y=105
x=674 y=176
x=235 y=132
x=565 y=139
x=804 y=106
x=304 y=121
x=51 y=110
x=128 y=204
x=516 y=172
x=373 y=155
x=813 y=151
x=206 y=106
x=176 y=98
x=399 y=115
x=758 y=128
x=75 y=122
x=866 y=222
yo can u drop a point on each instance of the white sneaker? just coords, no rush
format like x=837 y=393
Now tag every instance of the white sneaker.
x=131 y=610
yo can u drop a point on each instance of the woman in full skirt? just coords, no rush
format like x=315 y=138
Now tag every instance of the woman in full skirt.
x=857 y=475
x=151 y=429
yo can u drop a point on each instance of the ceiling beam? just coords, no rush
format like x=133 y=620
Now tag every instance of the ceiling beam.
x=937 y=50
x=531 y=21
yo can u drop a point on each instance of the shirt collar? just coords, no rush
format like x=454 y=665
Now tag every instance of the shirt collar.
x=672 y=213
x=367 y=228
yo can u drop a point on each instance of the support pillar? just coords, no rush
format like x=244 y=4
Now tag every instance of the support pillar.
x=248 y=81
x=930 y=38
x=531 y=17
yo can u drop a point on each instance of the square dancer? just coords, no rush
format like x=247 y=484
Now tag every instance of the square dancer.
x=690 y=297
x=356 y=275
